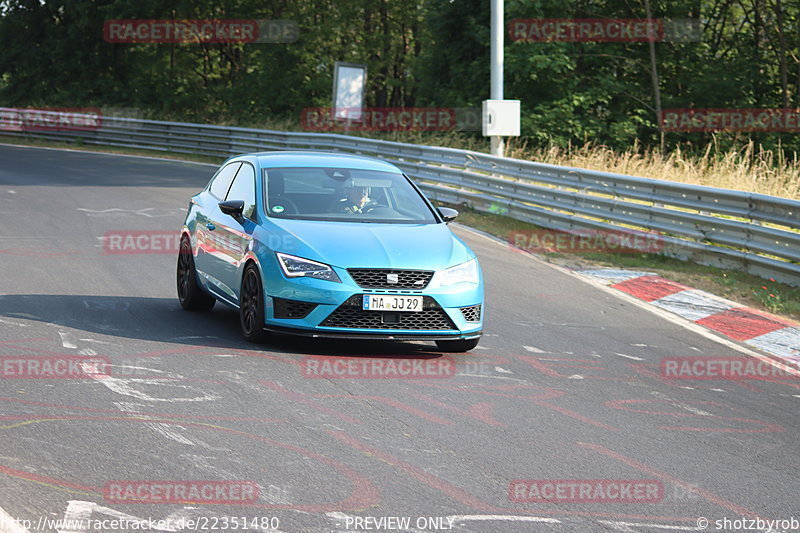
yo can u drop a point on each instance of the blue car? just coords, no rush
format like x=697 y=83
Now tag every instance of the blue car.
x=329 y=245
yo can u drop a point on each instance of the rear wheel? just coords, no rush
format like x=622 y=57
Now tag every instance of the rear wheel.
x=251 y=306
x=191 y=296
x=463 y=345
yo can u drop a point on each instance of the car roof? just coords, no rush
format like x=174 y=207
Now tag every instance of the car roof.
x=321 y=159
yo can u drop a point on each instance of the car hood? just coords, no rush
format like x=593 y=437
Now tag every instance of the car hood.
x=370 y=245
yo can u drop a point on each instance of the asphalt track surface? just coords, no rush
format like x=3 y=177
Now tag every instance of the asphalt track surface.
x=564 y=386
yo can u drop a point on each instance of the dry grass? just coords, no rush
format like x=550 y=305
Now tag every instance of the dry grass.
x=751 y=169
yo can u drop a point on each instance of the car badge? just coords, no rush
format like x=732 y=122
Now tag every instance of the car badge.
x=392 y=279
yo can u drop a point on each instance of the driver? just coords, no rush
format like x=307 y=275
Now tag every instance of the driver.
x=357 y=200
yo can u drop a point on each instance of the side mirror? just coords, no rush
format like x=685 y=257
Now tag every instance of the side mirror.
x=233 y=208
x=448 y=214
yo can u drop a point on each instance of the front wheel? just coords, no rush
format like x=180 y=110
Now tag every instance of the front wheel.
x=463 y=345
x=191 y=296
x=251 y=306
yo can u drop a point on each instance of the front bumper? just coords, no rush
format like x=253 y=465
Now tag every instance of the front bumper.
x=318 y=308
x=341 y=334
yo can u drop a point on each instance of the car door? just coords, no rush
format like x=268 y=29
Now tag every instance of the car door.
x=235 y=235
x=209 y=260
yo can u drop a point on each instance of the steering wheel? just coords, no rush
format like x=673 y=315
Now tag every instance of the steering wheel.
x=371 y=207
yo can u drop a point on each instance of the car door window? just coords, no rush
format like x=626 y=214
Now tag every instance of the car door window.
x=244 y=188
x=222 y=182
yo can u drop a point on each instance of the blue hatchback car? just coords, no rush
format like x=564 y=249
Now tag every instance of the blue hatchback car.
x=329 y=245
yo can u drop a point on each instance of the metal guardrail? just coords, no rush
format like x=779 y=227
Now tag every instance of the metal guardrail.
x=718 y=227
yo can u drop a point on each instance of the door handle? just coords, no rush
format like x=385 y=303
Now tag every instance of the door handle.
x=210 y=226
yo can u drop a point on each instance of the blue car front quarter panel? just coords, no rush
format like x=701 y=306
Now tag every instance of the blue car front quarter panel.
x=416 y=247
x=328 y=296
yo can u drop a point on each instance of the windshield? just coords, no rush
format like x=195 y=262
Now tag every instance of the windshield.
x=348 y=195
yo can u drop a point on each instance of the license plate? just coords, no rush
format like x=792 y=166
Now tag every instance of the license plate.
x=392 y=302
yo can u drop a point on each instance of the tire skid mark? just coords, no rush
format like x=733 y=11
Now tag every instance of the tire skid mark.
x=429 y=479
x=473 y=502
x=160 y=415
x=391 y=402
x=707 y=495
x=577 y=416
x=537 y=362
x=302 y=398
x=767 y=427
x=479 y=411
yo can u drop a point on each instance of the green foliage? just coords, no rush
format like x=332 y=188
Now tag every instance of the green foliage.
x=419 y=53
x=454 y=66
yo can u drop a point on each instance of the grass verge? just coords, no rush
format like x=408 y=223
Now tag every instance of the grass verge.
x=747 y=289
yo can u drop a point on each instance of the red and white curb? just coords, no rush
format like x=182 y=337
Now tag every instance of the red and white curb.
x=769 y=333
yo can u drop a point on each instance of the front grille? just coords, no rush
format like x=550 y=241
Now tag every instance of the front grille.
x=377 y=278
x=472 y=313
x=291 y=308
x=351 y=315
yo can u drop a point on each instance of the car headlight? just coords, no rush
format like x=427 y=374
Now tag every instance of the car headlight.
x=465 y=272
x=297 y=267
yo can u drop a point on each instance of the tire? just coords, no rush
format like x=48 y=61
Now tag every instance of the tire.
x=457 y=346
x=191 y=296
x=251 y=306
